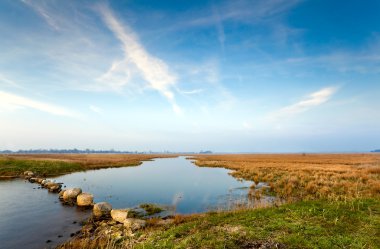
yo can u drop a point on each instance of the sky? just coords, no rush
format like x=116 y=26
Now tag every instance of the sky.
x=227 y=76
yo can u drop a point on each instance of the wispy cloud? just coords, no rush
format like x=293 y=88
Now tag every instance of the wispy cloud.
x=8 y=82
x=153 y=70
x=312 y=100
x=96 y=109
x=40 y=10
x=245 y=11
x=15 y=101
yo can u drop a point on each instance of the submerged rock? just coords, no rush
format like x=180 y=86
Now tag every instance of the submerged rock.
x=119 y=215
x=85 y=199
x=71 y=193
x=134 y=224
x=102 y=209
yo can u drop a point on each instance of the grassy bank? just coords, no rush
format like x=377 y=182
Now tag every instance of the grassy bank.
x=58 y=164
x=310 y=224
x=305 y=224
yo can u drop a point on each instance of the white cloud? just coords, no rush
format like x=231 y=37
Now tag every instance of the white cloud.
x=13 y=102
x=314 y=99
x=153 y=70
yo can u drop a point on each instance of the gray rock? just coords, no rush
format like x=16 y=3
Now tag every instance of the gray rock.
x=134 y=224
x=119 y=215
x=71 y=194
x=85 y=199
x=102 y=209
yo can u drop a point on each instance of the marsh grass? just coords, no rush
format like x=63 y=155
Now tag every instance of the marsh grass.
x=306 y=177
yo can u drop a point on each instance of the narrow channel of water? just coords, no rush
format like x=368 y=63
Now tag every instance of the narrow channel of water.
x=29 y=217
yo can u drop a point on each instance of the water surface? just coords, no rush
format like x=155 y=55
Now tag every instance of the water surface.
x=169 y=181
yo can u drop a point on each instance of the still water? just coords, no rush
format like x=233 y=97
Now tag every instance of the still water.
x=29 y=217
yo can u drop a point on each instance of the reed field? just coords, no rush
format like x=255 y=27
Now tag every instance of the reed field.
x=305 y=176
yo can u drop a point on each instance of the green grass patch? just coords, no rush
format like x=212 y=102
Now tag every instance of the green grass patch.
x=306 y=224
x=15 y=167
x=151 y=208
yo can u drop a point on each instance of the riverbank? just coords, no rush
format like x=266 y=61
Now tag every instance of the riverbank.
x=305 y=224
x=49 y=165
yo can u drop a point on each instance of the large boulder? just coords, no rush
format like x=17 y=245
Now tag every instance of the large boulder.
x=85 y=199
x=71 y=194
x=119 y=215
x=102 y=209
x=134 y=224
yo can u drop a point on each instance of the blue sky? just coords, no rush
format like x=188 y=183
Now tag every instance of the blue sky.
x=227 y=76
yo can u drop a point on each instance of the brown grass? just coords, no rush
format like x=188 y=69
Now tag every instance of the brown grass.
x=92 y=160
x=310 y=176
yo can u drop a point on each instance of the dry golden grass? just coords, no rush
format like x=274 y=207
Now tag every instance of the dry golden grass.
x=306 y=176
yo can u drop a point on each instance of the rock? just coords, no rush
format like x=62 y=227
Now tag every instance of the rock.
x=85 y=199
x=49 y=184
x=71 y=193
x=102 y=209
x=44 y=182
x=119 y=215
x=32 y=180
x=60 y=195
x=134 y=224
x=55 y=187
x=39 y=180
x=28 y=173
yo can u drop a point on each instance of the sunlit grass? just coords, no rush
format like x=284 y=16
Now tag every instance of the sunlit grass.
x=305 y=177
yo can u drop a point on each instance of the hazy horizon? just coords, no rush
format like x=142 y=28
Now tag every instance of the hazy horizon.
x=227 y=76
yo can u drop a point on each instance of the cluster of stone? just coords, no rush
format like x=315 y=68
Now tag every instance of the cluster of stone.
x=101 y=212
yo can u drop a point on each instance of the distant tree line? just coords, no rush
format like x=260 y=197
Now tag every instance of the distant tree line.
x=88 y=151
x=66 y=151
